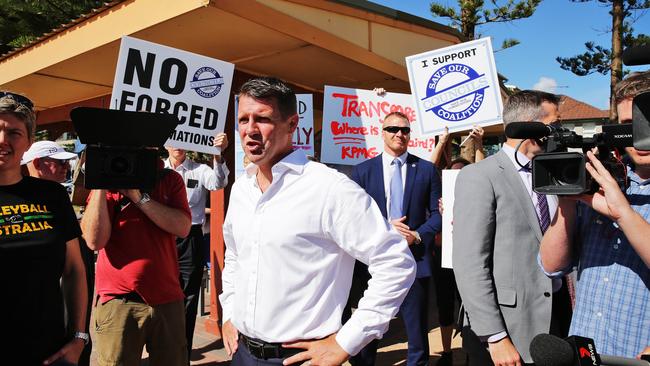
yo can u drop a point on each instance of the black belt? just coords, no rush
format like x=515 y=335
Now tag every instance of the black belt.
x=130 y=297
x=265 y=350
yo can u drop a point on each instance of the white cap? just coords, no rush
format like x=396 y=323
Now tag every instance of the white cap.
x=46 y=149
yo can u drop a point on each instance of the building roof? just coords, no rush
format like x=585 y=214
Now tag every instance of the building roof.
x=572 y=109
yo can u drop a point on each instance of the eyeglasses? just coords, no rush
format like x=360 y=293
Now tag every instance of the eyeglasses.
x=63 y=163
x=20 y=99
x=395 y=129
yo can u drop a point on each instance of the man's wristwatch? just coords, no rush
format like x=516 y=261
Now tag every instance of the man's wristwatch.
x=418 y=239
x=83 y=336
x=144 y=199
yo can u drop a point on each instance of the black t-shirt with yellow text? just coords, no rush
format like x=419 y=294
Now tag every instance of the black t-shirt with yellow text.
x=36 y=221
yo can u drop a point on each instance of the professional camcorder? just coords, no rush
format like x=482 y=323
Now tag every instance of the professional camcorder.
x=561 y=172
x=122 y=147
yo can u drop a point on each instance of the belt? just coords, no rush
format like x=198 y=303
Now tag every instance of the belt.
x=130 y=297
x=266 y=350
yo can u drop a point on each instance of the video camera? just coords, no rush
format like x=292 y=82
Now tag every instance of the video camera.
x=122 y=146
x=560 y=172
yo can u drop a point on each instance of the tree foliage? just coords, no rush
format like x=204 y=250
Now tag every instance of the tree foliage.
x=473 y=13
x=22 y=21
x=603 y=60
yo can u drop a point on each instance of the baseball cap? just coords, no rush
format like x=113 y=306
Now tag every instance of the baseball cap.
x=46 y=149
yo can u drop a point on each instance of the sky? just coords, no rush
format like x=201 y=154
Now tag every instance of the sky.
x=557 y=28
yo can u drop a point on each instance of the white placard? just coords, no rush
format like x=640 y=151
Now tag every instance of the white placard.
x=303 y=138
x=448 y=185
x=156 y=78
x=352 y=123
x=456 y=87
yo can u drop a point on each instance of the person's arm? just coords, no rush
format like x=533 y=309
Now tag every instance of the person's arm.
x=352 y=219
x=472 y=261
x=611 y=202
x=440 y=149
x=477 y=136
x=230 y=333
x=96 y=223
x=218 y=177
x=556 y=248
x=170 y=219
x=76 y=299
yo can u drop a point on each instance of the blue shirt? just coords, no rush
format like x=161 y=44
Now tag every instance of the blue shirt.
x=613 y=296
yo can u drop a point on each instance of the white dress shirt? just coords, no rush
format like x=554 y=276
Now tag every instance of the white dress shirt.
x=290 y=255
x=389 y=169
x=199 y=179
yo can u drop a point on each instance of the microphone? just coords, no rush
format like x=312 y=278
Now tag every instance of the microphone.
x=527 y=130
x=638 y=55
x=549 y=350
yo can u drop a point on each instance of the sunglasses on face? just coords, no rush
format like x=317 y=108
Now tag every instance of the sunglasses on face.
x=20 y=99
x=62 y=163
x=395 y=129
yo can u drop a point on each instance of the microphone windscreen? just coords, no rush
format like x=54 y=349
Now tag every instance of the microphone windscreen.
x=527 y=130
x=549 y=350
x=638 y=55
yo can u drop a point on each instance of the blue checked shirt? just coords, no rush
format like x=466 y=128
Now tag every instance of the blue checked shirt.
x=613 y=295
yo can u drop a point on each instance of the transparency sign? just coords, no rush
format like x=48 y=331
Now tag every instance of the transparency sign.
x=303 y=137
x=160 y=79
x=352 y=125
x=455 y=87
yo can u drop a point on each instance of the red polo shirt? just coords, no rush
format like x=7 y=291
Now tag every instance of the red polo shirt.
x=139 y=256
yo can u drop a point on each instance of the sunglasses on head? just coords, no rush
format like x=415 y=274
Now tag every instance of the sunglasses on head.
x=20 y=99
x=395 y=129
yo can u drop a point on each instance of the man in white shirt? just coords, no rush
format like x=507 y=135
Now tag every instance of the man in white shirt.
x=198 y=179
x=293 y=230
x=498 y=225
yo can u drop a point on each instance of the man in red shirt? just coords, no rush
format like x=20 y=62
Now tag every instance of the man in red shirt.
x=140 y=298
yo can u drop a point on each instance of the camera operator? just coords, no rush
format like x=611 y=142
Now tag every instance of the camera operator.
x=604 y=238
x=140 y=300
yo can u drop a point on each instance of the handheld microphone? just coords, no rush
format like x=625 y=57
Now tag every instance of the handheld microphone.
x=549 y=350
x=638 y=55
x=527 y=130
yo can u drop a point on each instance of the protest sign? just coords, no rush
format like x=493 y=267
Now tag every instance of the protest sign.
x=352 y=125
x=160 y=79
x=455 y=86
x=303 y=138
x=448 y=184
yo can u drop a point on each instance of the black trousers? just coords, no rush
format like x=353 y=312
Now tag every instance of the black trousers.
x=190 y=262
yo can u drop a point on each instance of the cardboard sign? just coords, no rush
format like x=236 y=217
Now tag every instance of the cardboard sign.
x=155 y=78
x=448 y=185
x=456 y=86
x=303 y=138
x=352 y=125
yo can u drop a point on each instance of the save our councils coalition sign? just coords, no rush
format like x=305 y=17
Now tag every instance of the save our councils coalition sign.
x=456 y=87
x=352 y=125
x=160 y=79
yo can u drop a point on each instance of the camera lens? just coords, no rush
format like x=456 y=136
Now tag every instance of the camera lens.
x=120 y=165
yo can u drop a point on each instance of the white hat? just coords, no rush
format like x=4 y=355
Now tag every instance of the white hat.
x=46 y=149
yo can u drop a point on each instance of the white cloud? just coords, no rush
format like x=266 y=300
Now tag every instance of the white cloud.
x=546 y=84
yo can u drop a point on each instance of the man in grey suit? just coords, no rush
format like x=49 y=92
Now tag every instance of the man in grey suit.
x=498 y=225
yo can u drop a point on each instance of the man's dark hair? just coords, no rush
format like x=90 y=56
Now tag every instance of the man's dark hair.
x=634 y=84
x=397 y=114
x=272 y=88
x=526 y=105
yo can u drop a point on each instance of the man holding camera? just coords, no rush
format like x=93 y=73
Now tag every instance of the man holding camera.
x=603 y=237
x=140 y=300
x=199 y=179
x=499 y=222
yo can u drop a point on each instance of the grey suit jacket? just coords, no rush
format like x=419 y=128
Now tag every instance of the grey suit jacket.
x=496 y=239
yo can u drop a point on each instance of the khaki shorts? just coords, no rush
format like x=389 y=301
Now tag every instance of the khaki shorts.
x=123 y=328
